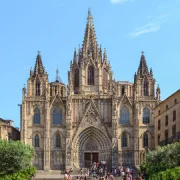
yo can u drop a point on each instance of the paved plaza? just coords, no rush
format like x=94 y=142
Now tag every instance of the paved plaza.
x=55 y=175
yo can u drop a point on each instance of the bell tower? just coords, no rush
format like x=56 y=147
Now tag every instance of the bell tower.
x=144 y=81
x=38 y=79
x=90 y=71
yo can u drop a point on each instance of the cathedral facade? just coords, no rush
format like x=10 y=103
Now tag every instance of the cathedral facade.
x=94 y=118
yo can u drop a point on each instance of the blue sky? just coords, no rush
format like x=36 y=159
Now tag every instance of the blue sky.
x=123 y=27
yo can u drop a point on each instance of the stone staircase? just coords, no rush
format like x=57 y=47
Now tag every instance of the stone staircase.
x=59 y=175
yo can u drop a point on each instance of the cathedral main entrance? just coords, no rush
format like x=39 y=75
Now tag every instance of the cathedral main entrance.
x=89 y=158
x=91 y=145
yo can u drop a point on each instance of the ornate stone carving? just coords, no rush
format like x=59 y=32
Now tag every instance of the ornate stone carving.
x=91 y=147
x=91 y=115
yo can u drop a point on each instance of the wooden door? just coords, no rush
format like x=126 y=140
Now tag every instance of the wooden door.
x=95 y=157
x=87 y=160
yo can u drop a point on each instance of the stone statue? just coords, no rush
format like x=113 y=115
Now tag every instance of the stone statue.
x=24 y=91
x=113 y=89
x=158 y=92
x=135 y=93
x=114 y=144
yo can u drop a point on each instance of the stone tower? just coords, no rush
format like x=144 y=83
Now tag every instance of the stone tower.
x=97 y=119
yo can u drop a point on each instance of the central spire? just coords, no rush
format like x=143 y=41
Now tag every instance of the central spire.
x=90 y=46
x=143 y=68
x=39 y=69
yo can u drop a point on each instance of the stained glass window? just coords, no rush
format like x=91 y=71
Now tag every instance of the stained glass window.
x=146 y=115
x=124 y=115
x=36 y=116
x=57 y=116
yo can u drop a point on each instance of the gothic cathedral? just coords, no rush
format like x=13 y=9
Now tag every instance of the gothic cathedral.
x=94 y=118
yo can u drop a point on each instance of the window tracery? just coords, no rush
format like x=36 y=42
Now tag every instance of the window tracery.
x=76 y=78
x=36 y=140
x=146 y=115
x=146 y=88
x=58 y=141
x=90 y=75
x=124 y=140
x=37 y=88
x=36 y=116
x=124 y=115
x=57 y=116
x=145 y=140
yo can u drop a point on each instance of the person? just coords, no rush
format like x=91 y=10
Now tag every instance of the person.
x=139 y=177
x=85 y=176
x=66 y=175
x=81 y=171
x=69 y=176
x=111 y=177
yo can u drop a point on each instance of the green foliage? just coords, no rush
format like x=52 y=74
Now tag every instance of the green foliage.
x=24 y=174
x=14 y=156
x=165 y=157
x=169 y=174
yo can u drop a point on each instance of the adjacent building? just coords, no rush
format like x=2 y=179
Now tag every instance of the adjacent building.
x=7 y=131
x=167 y=120
x=94 y=118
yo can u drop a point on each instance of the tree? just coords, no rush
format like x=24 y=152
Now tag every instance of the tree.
x=14 y=157
x=165 y=157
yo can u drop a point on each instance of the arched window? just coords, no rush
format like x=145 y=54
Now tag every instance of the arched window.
x=104 y=78
x=145 y=140
x=124 y=115
x=61 y=91
x=76 y=78
x=174 y=115
x=90 y=75
x=124 y=140
x=122 y=90
x=145 y=88
x=58 y=140
x=37 y=88
x=57 y=116
x=36 y=140
x=175 y=101
x=146 y=115
x=36 y=116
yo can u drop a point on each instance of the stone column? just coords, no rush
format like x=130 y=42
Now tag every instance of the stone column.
x=47 y=148
x=69 y=153
x=114 y=137
x=136 y=135
x=24 y=124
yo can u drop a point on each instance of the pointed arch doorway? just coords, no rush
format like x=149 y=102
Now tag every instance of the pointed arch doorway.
x=91 y=145
x=91 y=153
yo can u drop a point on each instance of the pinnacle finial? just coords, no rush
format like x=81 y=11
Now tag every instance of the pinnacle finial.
x=142 y=52
x=89 y=18
x=89 y=12
x=39 y=52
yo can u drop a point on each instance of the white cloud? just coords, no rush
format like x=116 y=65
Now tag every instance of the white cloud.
x=119 y=1
x=150 y=27
x=145 y=29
